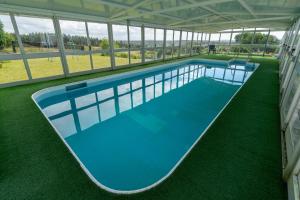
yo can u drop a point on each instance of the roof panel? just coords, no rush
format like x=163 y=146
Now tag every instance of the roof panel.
x=181 y=14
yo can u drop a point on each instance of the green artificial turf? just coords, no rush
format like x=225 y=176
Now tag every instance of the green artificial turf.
x=239 y=157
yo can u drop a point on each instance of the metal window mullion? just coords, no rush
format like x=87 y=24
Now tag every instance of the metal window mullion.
x=253 y=37
x=252 y=41
x=209 y=38
x=186 y=41
x=173 y=44
x=287 y=78
x=192 y=44
x=290 y=33
x=292 y=167
x=282 y=46
x=296 y=29
x=291 y=36
x=164 y=43
x=201 y=40
x=266 y=43
x=240 y=44
x=143 y=43
x=22 y=51
x=111 y=45
x=60 y=43
x=230 y=37
x=89 y=44
x=155 y=38
x=128 y=42
x=155 y=52
x=179 y=43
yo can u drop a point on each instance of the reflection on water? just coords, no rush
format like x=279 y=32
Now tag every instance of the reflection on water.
x=83 y=112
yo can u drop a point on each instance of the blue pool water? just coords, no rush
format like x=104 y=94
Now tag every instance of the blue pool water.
x=129 y=132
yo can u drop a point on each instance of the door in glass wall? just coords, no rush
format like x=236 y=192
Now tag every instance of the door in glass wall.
x=204 y=44
x=273 y=44
x=176 y=43
x=292 y=92
x=169 y=44
x=135 y=37
x=159 y=40
x=121 y=45
x=195 y=49
x=76 y=45
x=38 y=36
x=189 y=42
x=235 y=42
x=183 y=50
x=223 y=47
x=98 y=35
x=150 y=53
x=260 y=40
x=10 y=70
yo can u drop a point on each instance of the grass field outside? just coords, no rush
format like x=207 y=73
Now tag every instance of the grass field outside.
x=14 y=70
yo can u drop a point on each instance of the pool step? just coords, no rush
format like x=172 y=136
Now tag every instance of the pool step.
x=76 y=86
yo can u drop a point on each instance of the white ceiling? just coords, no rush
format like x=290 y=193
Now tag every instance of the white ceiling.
x=196 y=15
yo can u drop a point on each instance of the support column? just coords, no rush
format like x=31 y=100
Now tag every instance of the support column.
x=89 y=44
x=128 y=41
x=200 y=45
x=143 y=43
x=111 y=45
x=192 y=44
x=266 y=43
x=60 y=44
x=173 y=44
x=179 y=43
x=14 y=23
x=164 y=44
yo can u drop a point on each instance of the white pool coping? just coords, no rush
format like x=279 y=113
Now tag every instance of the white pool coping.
x=109 y=78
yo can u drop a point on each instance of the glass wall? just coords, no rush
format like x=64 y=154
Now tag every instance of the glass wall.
x=38 y=36
x=39 y=47
x=11 y=69
x=289 y=106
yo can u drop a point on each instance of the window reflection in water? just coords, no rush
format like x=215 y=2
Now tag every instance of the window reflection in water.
x=83 y=112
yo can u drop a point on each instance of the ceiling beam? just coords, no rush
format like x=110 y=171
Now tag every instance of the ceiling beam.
x=247 y=7
x=213 y=11
x=124 y=6
x=174 y=8
x=260 y=14
x=190 y=19
x=141 y=3
x=235 y=22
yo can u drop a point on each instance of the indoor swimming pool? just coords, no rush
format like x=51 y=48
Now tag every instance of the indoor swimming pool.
x=130 y=131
